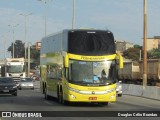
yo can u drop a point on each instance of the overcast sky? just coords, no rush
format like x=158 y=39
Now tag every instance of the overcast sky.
x=123 y=17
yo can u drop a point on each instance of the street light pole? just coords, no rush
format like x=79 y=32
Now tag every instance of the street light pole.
x=13 y=37
x=29 y=59
x=45 y=18
x=25 y=46
x=4 y=37
x=73 y=14
x=45 y=24
x=145 y=46
x=13 y=44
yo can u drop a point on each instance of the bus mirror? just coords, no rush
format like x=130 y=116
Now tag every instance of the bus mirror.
x=66 y=61
x=120 y=61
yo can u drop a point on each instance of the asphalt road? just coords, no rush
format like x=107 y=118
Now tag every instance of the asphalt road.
x=33 y=100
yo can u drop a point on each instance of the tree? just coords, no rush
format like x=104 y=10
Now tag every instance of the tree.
x=132 y=53
x=18 y=49
x=137 y=46
x=35 y=54
x=154 y=54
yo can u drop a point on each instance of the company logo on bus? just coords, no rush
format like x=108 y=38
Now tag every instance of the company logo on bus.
x=93 y=89
x=92 y=58
x=93 y=92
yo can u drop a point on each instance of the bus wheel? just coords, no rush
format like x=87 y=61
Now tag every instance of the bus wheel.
x=60 y=98
x=45 y=93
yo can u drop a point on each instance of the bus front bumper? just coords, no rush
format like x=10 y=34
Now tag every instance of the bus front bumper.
x=76 y=97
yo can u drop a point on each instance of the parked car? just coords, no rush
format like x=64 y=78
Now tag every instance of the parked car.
x=8 y=86
x=119 y=88
x=26 y=83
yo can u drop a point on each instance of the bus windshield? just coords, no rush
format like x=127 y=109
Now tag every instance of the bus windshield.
x=15 y=68
x=92 y=73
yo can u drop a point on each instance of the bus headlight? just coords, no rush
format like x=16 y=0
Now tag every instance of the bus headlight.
x=112 y=96
x=72 y=96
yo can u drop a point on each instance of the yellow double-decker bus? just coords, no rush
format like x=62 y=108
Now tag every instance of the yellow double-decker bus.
x=80 y=66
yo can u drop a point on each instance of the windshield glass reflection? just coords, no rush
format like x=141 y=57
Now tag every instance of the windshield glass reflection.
x=87 y=73
x=15 y=69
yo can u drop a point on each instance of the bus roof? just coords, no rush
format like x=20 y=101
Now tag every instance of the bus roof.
x=80 y=41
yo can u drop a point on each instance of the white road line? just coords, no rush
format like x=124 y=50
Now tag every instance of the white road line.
x=48 y=102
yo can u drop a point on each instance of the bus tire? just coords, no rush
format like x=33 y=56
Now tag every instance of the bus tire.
x=43 y=88
x=60 y=98
x=45 y=93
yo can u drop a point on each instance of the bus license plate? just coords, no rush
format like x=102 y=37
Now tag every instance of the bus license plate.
x=92 y=98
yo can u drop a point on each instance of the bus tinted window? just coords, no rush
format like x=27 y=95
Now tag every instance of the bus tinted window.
x=91 y=42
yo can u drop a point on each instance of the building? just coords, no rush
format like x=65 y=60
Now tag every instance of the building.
x=153 y=43
x=121 y=46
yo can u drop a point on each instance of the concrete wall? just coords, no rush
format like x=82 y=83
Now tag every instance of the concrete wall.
x=152 y=92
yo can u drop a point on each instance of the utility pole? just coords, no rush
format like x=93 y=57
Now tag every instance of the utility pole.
x=73 y=14
x=140 y=55
x=45 y=24
x=29 y=59
x=145 y=47
x=25 y=15
x=5 y=39
x=13 y=37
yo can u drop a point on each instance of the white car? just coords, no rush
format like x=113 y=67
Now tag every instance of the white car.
x=26 y=83
x=119 y=88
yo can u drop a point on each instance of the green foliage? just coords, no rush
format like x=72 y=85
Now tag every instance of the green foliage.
x=35 y=54
x=132 y=53
x=154 y=54
x=137 y=46
x=18 y=49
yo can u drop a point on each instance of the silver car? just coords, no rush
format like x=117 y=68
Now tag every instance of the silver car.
x=119 y=88
x=26 y=83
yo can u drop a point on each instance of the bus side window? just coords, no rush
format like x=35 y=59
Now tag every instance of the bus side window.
x=54 y=73
x=59 y=74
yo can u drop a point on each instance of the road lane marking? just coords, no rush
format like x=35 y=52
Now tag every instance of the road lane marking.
x=47 y=102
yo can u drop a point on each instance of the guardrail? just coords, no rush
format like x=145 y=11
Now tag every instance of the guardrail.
x=152 y=92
